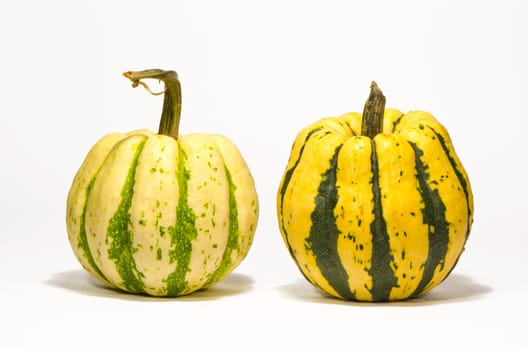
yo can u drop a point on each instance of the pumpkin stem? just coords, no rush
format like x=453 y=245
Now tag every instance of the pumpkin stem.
x=170 y=116
x=372 y=122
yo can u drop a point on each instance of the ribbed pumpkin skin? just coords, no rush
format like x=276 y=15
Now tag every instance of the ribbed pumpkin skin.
x=375 y=219
x=150 y=214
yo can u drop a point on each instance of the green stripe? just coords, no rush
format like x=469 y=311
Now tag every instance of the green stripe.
x=182 y=233
x=120 y=235
x=434 y=217
x=287 y=177
x=397 y=122
x=383 y=278
x=234 y=232
x=459 y=175
x=463 y=183
x=324 y=233
x=348 y=127
x=83 y=239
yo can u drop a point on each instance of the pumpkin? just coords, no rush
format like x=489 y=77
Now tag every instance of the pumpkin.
x=160 y=213
x=375 y=206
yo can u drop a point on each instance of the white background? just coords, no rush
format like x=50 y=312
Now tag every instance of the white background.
x=257 y=72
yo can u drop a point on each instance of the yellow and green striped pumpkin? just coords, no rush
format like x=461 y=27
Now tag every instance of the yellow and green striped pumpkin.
x=162 y=214
x=375 y=206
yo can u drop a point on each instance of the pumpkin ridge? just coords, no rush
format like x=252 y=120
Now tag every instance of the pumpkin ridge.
x=324 y=233
x=459 y=175
x=234 y=231
x=121 y=249
x=286 y=182
x=383 y=278
x=434 y=217
x=183 y=231
x=83 y=240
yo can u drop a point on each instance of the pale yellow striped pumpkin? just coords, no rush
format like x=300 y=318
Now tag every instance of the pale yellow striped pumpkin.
x=162 y=214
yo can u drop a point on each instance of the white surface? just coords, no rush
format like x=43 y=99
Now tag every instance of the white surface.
x=258 y=72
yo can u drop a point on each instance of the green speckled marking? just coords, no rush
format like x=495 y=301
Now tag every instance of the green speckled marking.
x=234 y=232
x=83 y=241
x=120 y=236
x=182 y=233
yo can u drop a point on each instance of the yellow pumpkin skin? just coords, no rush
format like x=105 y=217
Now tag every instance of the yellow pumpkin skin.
x=375 y=219
x=158 y=215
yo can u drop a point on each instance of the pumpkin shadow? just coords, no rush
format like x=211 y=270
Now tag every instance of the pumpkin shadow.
x=455 y=288
x=79 y=281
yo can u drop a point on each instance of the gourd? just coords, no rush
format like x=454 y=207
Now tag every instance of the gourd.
x=375 y=206
x=162 y=214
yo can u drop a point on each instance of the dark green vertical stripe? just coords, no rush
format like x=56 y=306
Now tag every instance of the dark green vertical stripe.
x=383 y=278
x=287 y=177
x=397 y=122
x=463 y=183
x=120 y=235
x=182 y=233
x=324 y=233
x=234 y=232
x=433 y=214
x=459 y=175
x=82 y=238
x=349 y=128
